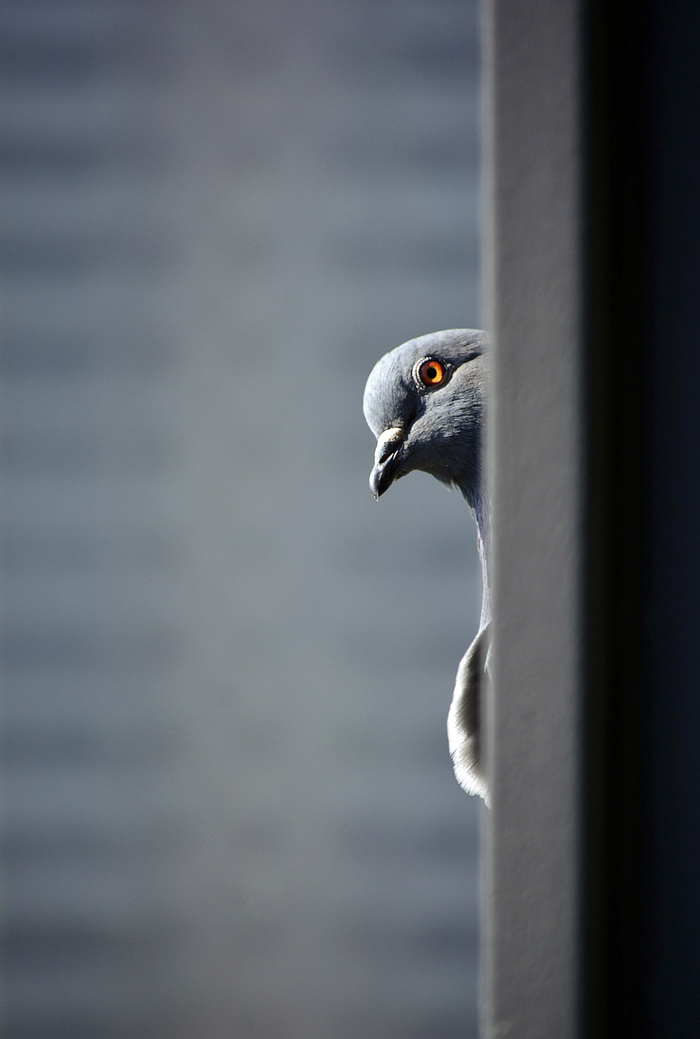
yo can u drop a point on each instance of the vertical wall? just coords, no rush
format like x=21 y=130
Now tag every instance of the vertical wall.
x=594 y=242
x=536 y=272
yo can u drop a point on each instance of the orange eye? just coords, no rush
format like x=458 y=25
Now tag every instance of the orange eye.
x=431 y=372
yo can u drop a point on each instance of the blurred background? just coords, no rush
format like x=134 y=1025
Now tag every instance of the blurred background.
x=228 y=809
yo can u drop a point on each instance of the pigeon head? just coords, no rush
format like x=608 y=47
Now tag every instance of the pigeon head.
x=425 y=401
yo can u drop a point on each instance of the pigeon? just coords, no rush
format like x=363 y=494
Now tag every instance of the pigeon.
x=425 y=402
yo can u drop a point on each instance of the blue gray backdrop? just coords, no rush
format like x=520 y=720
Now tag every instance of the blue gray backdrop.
x=228 y=811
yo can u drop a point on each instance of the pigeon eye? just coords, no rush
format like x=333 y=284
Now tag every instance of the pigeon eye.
x=431 y=372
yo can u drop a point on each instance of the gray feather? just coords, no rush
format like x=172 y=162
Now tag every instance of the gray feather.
x=438 y=429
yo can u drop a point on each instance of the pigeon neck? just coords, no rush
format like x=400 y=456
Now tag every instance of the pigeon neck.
x=480 y=506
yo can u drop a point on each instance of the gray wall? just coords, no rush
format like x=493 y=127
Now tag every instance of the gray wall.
x=228 y=810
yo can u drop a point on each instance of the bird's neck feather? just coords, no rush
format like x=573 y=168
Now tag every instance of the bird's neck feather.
x=478 y=502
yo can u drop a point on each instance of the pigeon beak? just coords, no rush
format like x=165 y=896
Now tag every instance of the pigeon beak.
x=386 y=460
